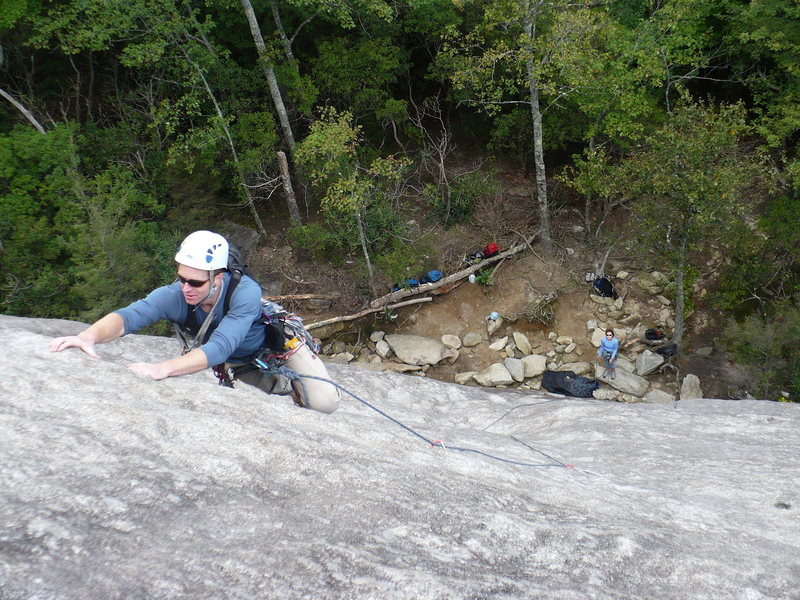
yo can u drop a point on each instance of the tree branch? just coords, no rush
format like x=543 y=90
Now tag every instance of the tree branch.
x=28 y=114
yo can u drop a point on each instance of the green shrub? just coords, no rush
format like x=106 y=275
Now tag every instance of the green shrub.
x=465 y=191
x=767 y=347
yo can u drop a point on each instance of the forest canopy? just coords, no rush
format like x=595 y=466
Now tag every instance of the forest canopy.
x=123 y=125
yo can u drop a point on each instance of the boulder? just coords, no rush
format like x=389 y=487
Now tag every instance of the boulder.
x=451 y=341
x=535 y=365
x=493 y=325
x=499 y=345
x=465 y=377
x=383 y=349
x=417 y=350
x=516 y=368
x=605 y=394
x=690 y=388
x=602 y=300
x=376 y=336
x=625 y=381
x=579 y=368
x=454 y=354
x=522 y=342
x=647 y=362
x=472 y=339
x=496 y=374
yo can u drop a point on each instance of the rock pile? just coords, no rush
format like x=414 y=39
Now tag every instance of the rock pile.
x=521 y=361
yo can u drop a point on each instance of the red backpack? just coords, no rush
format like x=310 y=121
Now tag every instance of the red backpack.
x=490 y=250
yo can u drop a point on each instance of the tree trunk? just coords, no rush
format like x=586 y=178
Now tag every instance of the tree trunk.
x=287 y=45
x=272 y=82
x=680 y=299
x=365 y=312
x=291 y=201
x=538 y=152
x=28 y=114
x=362 y=236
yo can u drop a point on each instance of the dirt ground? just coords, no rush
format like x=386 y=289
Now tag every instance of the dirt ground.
x=516 y=282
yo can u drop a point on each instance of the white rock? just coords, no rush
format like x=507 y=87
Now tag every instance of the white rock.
x=647 y=362
x=496 y=374
x=417 y=350
x=522 y=342
x=499 y=344
x=465 y=377
x=625 y=381
x=376 y=336
x=383 y=349
x=690 y=388
x=493 y=326
x=579 y=368
x=516 y=368
x=535 y=365
x=451 y=341
x=472 y=339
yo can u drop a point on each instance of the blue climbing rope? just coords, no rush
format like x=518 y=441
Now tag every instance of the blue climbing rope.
x=292 y=375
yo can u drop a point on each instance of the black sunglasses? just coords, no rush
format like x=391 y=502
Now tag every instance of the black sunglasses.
x=192 y=282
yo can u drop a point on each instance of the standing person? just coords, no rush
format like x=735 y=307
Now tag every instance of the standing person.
x=224 y=314
x=609 y=346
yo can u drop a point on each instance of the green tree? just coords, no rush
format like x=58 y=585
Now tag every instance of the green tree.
x=767 y=346
x=691 y=181
x=763 y=39
x=330 y=155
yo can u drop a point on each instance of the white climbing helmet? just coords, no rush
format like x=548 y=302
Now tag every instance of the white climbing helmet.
x=204 y=250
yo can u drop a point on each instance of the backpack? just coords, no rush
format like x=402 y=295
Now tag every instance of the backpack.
x=667 y=351
x=604 y=288
x=431 y=277
x=411 y=282
x=654 y=334
x=490 y=250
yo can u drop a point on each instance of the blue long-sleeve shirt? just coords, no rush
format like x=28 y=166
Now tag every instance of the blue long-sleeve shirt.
x=607 y=345
x=236 y=336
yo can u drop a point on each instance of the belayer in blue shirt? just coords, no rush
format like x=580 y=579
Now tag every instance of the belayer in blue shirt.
x=608 y=352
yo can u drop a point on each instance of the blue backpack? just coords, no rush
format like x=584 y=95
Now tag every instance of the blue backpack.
x=431 y=276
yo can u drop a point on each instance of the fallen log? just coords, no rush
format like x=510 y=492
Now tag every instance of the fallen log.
x=425 y=288
x=302 y=297
x=365 y=312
